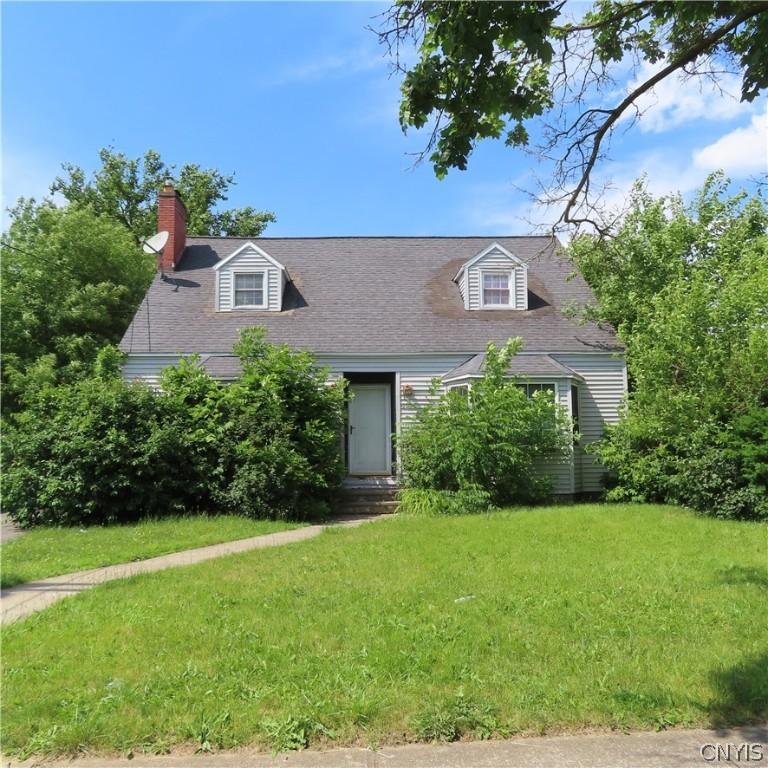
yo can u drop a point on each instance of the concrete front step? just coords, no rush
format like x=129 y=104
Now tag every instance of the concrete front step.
x=368 y=496
x=372 y=495
x=358 y=507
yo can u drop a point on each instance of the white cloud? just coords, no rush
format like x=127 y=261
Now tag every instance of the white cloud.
x=379 y=105
x=501 y=208
x=505 y=219
x=677 y=100
x=739 y=153
x=333 y=65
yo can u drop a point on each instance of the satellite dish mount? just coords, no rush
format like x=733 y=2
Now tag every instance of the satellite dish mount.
x=155 y=244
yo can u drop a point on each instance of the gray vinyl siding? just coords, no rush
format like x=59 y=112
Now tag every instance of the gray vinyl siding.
x=521 y=288
x=147 y=368
x=600 y=399
x=559 y=469
x=499 y=262
x=416 y=373
x=600 y=396
x=250 y=260
x=463 y=286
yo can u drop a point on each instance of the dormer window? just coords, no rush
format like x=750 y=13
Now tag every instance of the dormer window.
x=249 y=278
x=493 y=279
x=497 y=289
x=249 y=290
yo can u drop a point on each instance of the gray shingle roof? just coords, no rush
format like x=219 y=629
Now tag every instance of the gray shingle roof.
x=366 y=295
x=222 y=368
x=520 y=365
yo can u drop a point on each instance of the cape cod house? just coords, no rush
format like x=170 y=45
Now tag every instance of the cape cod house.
x=389 y=314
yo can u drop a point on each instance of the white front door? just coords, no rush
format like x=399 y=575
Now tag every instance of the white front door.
x=370 y=447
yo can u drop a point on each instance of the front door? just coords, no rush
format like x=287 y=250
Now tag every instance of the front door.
x=370 y=448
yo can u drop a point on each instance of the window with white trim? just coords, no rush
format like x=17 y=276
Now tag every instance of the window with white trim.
x=249 y=289
x=460 y=389
x=496 y=289
x=531 y=389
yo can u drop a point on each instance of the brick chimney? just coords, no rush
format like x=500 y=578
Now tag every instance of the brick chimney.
x=172 y=217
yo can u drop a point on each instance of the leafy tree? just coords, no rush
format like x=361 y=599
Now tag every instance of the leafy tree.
x=487 y=440
x=71 y=282
x=663 y=241
x=126 y=190
x=687 y=287
x=73 y=275
x=486 y=70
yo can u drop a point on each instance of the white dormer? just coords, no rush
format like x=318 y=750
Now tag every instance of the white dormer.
x=250 y=280
x=494 y=279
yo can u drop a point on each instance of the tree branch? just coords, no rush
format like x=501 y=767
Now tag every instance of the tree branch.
x=690 y=55
x=628 y=10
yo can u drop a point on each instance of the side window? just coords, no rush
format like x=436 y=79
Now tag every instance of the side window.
x=530 y=389
x=575 y=407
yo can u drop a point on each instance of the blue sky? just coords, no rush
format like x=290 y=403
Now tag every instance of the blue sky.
x=297 y=100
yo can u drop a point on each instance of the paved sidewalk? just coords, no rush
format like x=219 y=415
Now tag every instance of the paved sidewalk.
x=24 y=599
x=8 y=529
x=668 y=749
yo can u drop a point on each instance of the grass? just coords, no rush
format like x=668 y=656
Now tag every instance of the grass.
x=543 y=620
x=44 y=552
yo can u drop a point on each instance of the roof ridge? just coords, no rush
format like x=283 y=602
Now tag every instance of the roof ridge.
x=370 y=237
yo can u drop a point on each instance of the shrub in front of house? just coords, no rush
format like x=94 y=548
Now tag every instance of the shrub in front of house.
x=266 y=445
x=105 y=451
x=718 y=469
x=485 y=440
x=88 y=453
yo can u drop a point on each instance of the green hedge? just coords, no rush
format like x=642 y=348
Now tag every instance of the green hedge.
x=718 y=469
x=104 y=451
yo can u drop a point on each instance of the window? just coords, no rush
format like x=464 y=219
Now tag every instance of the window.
x=575 y=407
x=249 y=289
x=530 y=389
x=496 y=289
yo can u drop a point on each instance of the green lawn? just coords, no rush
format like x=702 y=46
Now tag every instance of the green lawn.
x=540 y=620
x=52 y=551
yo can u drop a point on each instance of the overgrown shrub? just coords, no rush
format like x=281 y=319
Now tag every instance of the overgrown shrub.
x=269 y=442
x=103 y=450
x=489 y=438
x=745 y=442
x=91 y=452
x=719 y=470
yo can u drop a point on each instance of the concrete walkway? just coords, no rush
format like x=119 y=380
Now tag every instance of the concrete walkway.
x=8 y=529
x=24 y=599
x=667 y=749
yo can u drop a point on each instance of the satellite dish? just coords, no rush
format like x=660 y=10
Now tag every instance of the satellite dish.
x=156 y=243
